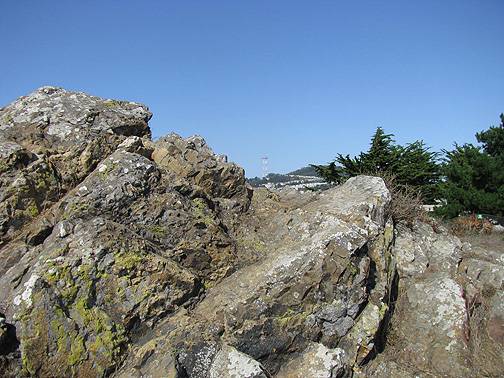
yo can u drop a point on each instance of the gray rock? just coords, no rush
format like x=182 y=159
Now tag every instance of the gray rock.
x=52 y=139
x=423 y=248
x=434 y=315
x=193 y=160
x=230 y=363
x=315 y=361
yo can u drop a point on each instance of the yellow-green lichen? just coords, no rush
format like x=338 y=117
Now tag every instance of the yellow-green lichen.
x=108 y=336
x=291 y=318
x=61 y=277
x=256 y=245
x=8 y=118
x=3 y=166
x=352 y=269
x=77 y=351
x=74 y=209
x=113 y=103
x=383 y=310
x=32 y=210
x=35 y=336
x=106 y=168
x=157 y=230
x=44 y=181
x=200 y=211
x=127 y=260
x=27 y=364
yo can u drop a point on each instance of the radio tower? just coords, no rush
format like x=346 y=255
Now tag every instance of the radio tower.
x=264 y=161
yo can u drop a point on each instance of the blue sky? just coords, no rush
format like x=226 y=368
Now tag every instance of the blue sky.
x=298 y=81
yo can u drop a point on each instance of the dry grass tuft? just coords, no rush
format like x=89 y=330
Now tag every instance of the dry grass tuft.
x=406 y=205
x=464 y=225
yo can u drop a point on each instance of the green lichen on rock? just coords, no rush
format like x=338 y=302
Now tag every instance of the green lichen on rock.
x=70 y=343
x=61 y=277
x=157 y=230
x=33 y=336
x=77 y=350
x=8 y=119
x=127 y=260
x=383 y=310
x=3 y=166
x=32 y=210
x=106 y=168
x=74 y=209
x=113 y=103
x=106 y=338
x=45 y=180
x=254 y=244
x=291 y=318
x=201 y=211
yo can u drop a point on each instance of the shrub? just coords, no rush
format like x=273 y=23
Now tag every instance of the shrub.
x=406 y=204
x=471 y=224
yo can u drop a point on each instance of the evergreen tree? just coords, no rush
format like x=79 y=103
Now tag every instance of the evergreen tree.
x=381 y=155
x=474 y=176
x=411 y=165
x=418 y=167
x=493 y=139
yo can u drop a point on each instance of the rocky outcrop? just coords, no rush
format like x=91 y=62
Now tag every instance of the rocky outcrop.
x=99 y=241
x=445 y=321
x=130 y=258
x=51 y=140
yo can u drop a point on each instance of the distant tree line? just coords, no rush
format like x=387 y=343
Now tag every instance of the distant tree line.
x=468 y=178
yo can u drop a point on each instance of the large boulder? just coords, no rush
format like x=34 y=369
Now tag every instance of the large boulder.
x=51 y=140
x=447 y=318
x=99 y=241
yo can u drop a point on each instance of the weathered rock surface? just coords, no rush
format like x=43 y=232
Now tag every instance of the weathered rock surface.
x=315 y=361
x=444 y=317
x=131 y=258
x=52 y=139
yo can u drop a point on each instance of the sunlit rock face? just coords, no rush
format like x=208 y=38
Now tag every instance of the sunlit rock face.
x=131 y=258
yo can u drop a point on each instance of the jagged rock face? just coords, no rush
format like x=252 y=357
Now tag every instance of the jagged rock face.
x=446 y=320
x=52 y=139
x=317 y=289
x=99 y=241
x=206 y=172
x=131 y=258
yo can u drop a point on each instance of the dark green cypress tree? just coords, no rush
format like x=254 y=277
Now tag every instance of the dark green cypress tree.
x=493 y=139
x=474 y=176
x=382 y=155
x=412 y=165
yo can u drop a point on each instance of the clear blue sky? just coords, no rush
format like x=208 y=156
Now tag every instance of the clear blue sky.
x=298 y=81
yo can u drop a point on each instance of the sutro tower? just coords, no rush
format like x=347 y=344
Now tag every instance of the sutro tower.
x=264 y=161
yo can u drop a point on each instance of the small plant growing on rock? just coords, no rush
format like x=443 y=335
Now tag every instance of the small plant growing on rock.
x=406 y=205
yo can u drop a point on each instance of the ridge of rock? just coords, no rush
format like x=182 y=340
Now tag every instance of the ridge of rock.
x=125 y=257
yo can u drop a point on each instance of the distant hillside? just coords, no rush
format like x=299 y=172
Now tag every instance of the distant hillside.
x=305 y=171
x=303 y=178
